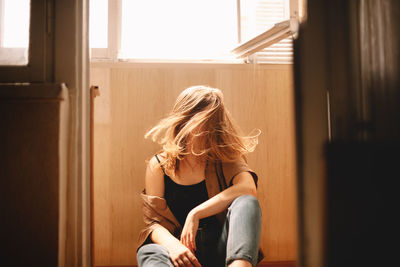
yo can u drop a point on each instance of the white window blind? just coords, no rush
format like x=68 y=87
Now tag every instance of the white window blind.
x=257 y=16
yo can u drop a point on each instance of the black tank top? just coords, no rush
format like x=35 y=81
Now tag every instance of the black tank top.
x=181 y=199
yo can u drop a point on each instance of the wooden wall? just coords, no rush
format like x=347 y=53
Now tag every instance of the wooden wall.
x=134 y=96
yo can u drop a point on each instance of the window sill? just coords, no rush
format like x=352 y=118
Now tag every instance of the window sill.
x=186 y=64
x=174 y=61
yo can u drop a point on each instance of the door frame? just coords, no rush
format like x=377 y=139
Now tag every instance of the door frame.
x=71 y=66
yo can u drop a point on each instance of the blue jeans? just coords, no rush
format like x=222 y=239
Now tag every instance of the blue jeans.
x=239 y=238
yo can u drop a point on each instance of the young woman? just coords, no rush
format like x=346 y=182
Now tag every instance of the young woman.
x=199 y=203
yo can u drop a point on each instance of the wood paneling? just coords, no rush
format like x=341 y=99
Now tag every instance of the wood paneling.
x=133 y=97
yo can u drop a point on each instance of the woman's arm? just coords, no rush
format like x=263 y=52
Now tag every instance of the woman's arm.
x=243 y=184
x=154 y=184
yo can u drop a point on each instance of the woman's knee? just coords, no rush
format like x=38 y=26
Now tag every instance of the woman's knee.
x=153 y=253
x=246 y=202
x=246 y=206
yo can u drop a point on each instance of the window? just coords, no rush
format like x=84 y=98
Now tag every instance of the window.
x=205 y=30
x=178 y=29
x=14 y=32
x=26 y=26
x=98 y=15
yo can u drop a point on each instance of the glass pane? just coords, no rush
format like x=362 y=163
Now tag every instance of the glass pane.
x=14 y=32
x=98 y=19
x=178 y=29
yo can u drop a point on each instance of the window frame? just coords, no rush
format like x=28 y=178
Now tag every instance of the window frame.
x=110 y=54
x=39 y=67
x=114 y=35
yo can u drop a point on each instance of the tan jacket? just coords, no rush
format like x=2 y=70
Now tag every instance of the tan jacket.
x=218 y=176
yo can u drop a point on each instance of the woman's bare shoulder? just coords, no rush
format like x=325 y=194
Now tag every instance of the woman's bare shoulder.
x=154 y=181
x=154 y=165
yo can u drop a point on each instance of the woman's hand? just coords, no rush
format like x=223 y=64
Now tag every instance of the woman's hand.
x=188 y=235
x=182 y=256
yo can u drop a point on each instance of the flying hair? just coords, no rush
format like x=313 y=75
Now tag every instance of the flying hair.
x=199 y=116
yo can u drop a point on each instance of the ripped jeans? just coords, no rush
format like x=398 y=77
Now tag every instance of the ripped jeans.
x=239 y=238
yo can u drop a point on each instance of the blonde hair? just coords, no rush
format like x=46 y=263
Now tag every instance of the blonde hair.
x=199 y=112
